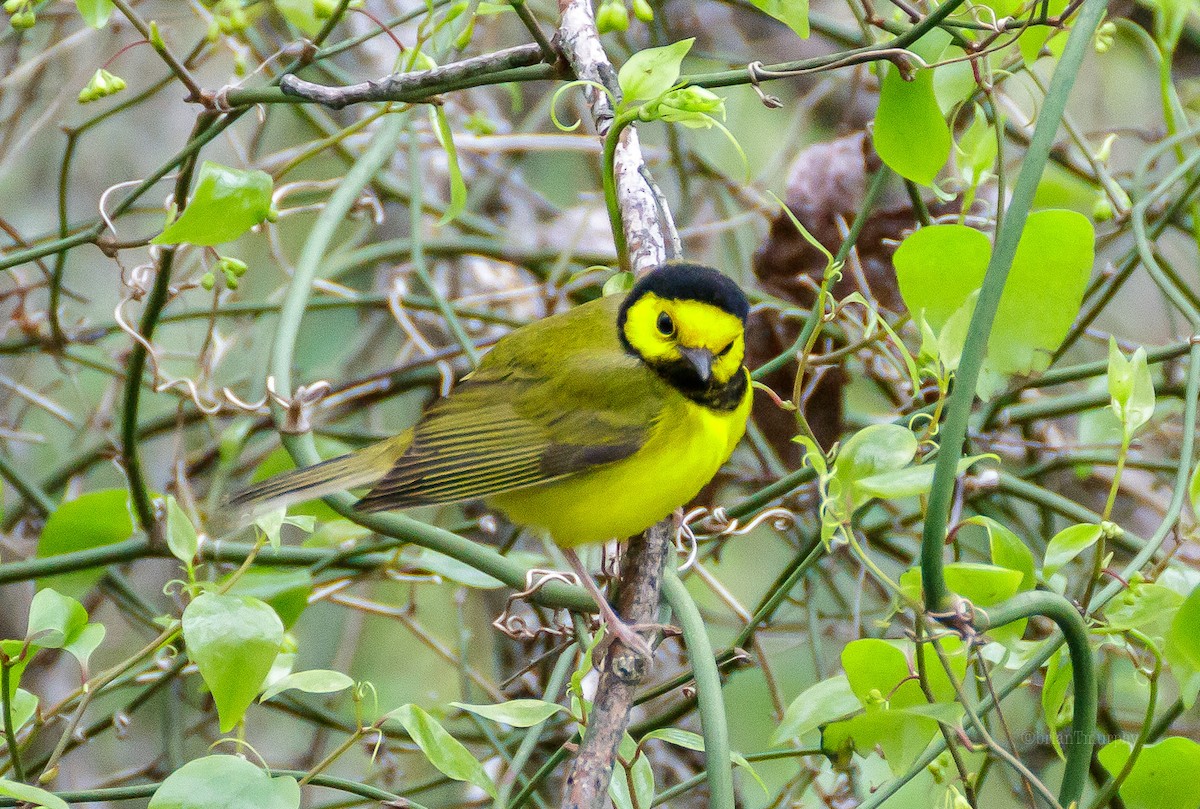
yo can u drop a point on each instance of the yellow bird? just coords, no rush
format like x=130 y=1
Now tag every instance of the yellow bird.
x=591 y=425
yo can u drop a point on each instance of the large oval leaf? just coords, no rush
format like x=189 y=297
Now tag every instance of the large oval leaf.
x=91 y=520
x=233 y=641
x=225 y=782
x=1164 y=774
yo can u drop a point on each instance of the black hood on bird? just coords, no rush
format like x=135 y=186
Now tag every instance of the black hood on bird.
x=679 y=280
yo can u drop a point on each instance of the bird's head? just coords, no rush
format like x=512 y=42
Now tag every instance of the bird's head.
x=686 y=322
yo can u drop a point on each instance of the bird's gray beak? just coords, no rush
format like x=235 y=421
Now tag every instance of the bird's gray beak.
x=701 y=359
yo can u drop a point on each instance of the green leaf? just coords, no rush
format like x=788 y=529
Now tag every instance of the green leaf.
x=519 y=713
x=313 y=681
x=694 y=741
x=1059 y=672
x=33 y=795
x=54 y=618
x=458 y=188
x=1131 y=388
x=60 y=622
x=792 y=13
x=1066 y=545
x=911 y=135
x=182 y=539
x=1145 y=606
x=640 y=773
x=907 y=482
x=1033 y=38
x=91 y=520
x=1185 y=629
x=1007 y=550
x=23 y=705
x=449 y=568
x=923 y=264
x=1194 y=492
x=233 y=640
x=1043 y=292
x=982 y=585
x=977 y=149
x=285 y=589
x=878 y=674
x=302 y=14
x=817 y=705
x=226 y=203
x=901 y=734
x=225 y=782
x=272 y=522
x=874 y=449
x=444 y=752
x=651 y=72
x=1164 y=774
x=95 y=12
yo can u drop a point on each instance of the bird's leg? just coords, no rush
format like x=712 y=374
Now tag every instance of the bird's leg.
x=614 y=627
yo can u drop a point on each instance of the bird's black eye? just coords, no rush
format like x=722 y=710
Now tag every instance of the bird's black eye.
x=725 y=350
x=665 y=324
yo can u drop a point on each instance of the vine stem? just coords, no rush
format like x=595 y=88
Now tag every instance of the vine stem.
x=609 y=178
x=954 y=430
x=1083 y=670
x=713 y=723
x=10 y=732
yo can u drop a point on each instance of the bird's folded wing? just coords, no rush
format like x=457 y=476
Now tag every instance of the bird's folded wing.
x=499 y=432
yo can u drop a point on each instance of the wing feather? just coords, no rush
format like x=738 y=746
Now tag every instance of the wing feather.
x=546 y=406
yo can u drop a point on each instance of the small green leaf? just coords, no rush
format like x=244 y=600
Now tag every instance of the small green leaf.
x=1164 y=774
x=874 y=449
x=444 y=752
x=1194 y=492
x=458 y=188
x=977 y=149
x=34 y=795
x=54 y=619
x=1059 y=672
x=651 y=72
x=922 y=264
x=302 y=14
x=449 y=568
x=792 y=13
x=694 y=741
x=907 y=482
x=24 y=706
x=1185 y=629
x=1007 y=550
x=95 y=12
x=91 y=520
x=225 y=782
x=182 y=539
x=226 y=203
x=1145 y=606
x=519 y=713
x=313 y=681
x=879 y=674
x=640 y=773
x=911 y=135
x=817 y=705
x=233 y=640
x=1066 y=545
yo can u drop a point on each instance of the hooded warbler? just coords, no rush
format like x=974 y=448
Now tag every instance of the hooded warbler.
x=592 y=424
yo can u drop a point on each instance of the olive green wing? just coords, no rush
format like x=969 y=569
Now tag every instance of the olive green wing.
x=560 y=404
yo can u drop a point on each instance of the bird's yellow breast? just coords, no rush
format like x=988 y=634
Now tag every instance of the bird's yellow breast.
x=687 y=446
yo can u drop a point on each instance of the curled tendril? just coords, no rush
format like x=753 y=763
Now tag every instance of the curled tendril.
x=242 y=743
x=578 y=82
x=717 y=523
x=514 y=626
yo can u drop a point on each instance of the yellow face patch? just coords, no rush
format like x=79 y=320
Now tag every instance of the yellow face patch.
x=657 y=328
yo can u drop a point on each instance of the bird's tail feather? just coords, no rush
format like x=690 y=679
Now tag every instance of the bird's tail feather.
x=338 y=474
